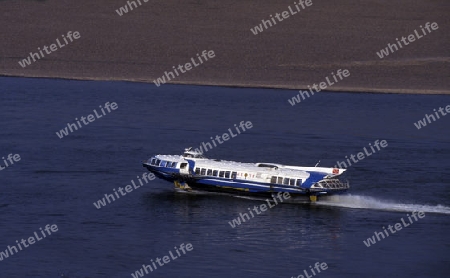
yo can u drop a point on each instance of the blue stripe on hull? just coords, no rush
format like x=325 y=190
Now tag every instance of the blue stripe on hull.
x=238 y=185
x=250 y=186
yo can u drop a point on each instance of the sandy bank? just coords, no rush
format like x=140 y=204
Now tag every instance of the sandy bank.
x=298 y=51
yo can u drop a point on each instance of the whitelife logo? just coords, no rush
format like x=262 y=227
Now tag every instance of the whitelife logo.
x=281 y=16
x=423 y=123
x=318 y=266
x=237 y=221
x=225 y=137
x=10 y=158
x=124 y=9
x=184 y=68
x=147 y=177
x=379 y=235
x=146 y=269
x=412 y=37
x=90 y=118
x=11 y=250
x=48 y=50
x=322 y=85
x=360 y=156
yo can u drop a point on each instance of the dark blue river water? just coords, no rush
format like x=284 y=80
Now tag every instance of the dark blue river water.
x=57 y=181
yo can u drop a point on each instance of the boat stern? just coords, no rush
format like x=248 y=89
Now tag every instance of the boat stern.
x=327 y=187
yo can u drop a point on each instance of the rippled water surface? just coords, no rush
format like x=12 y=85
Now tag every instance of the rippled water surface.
x=58 y=180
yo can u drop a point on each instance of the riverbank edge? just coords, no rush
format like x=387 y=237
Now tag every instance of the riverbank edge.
x=336 y=89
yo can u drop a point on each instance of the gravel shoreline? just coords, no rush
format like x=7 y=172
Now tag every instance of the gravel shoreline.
x=297 y=51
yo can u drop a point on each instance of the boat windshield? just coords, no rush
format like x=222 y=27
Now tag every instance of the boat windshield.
x=193 y=153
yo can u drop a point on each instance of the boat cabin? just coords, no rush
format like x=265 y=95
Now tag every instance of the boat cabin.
x=189 y=153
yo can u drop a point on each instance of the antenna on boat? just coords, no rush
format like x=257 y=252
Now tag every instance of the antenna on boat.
x=317 y=164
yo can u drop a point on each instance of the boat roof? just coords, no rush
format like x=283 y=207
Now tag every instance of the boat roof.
x=247 y=167
x=265 y=168
x=173 y=158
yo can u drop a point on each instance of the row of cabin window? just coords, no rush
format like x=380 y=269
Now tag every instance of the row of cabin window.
x=286 y=181
x=162 y=163
x=215 y=173
x=226 y=174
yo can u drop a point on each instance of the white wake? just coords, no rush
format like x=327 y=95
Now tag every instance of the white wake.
x=365 y=202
